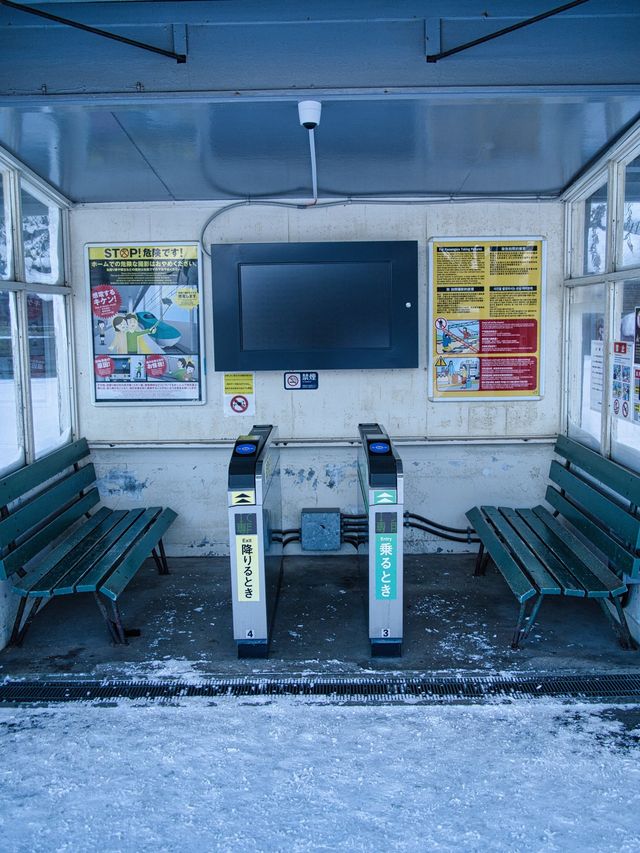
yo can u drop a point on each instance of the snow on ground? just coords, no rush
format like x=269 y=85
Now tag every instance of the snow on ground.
x=292 y=775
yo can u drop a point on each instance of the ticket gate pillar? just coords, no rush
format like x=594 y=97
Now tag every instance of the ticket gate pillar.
x=382 y=492
x=255 y=510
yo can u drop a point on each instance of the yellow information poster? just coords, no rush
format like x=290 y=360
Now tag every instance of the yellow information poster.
x=486 y=300
x=238 y=394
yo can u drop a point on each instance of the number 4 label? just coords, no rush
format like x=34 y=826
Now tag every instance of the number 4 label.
x=250 y=635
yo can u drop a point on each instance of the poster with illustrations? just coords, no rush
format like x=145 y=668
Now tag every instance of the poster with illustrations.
x=146 y=322
x=621 y=380
x=486 y=299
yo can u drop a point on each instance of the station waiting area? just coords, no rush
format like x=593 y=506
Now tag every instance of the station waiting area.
x=453 y=623
x=261 y=611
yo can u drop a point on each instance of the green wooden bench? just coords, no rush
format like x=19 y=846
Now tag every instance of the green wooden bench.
x=585 y=548
x=51 y=544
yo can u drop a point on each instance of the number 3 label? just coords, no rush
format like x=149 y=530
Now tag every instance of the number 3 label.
x=385 y=633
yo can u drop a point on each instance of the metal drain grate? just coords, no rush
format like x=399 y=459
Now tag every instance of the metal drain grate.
x=381 y=689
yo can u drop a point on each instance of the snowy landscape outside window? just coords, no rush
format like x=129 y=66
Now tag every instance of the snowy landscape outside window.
x=586 y=363
x=631 y=227
x=595 y=241
x=48 y=345
x=11 y=445
x=40 y=239
x=602 y=356
x=36 y=407
x=5 y=242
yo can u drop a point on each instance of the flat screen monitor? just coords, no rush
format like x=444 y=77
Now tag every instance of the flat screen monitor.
x=285 y=306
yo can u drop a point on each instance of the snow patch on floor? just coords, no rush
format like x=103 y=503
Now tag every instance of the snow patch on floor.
x=287 y=775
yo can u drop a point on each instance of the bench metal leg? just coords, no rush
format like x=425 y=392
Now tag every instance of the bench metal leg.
x=118 y=622
x=525 y=623
x=20 y=628
x=481 y=562
x=156 y=559
x=621 y=627
x=160 y=559
x=163 y=558
x=105 y=615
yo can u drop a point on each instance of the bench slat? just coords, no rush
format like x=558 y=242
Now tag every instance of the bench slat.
x=569 y=584
x=68 y=584
x=624 y=560
x=508 y=525
x=607 y=512
x=518 y=582
x=45 y=504
x=17 y=558
x=129 y=566
x=45 y=586
x=22 y=481
x=613 y=475
x=23 y=585
x=110 y=561
x=598 y=580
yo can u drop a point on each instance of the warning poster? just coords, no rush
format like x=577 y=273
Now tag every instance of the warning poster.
x=622 y=379
x=146 y=328
x=238 y=392
x=486 y=317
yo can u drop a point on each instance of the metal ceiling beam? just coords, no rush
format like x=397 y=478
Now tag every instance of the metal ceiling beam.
x=29 y=10
x=555 y=93
x=435 y=57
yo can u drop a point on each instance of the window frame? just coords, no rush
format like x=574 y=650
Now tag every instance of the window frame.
x=609 y=169
x=16 y=177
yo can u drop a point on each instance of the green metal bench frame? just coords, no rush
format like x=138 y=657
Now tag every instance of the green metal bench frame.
x=51 y=544
x=540 y=555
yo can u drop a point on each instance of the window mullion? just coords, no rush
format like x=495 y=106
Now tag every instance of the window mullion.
x=24 y=361
x=612 y=218
x=610 y=336
x=15 y=207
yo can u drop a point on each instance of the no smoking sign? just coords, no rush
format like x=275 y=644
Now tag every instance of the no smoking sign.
x=305 y=380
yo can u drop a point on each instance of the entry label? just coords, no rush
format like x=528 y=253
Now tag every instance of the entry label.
x=247 y=562
x=386 y=544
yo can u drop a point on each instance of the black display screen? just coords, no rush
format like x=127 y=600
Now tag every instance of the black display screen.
x=281 y=306
x=284 y=306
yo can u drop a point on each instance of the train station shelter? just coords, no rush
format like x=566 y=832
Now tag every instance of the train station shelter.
x=317 y=215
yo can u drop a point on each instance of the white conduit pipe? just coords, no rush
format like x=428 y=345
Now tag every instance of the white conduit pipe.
x=314 y=173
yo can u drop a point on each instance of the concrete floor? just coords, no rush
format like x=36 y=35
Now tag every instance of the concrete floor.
x=453 y=623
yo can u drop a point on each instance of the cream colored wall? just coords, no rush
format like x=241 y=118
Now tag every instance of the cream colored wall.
x=442 y=480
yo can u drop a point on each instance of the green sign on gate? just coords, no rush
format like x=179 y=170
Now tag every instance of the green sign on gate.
x=386 y=545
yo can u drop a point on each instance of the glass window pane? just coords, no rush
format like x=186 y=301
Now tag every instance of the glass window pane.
x=40 y=239
x=586 y=360
x=6 y=265
x=11 y=449
x=631 y=225
x=625 y=380
x=595 y=237
x=48 y=349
